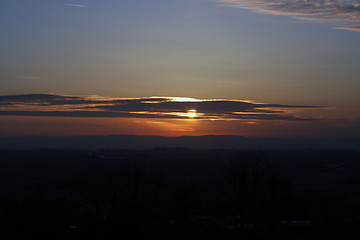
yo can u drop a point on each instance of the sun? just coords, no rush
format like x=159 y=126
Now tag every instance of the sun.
x=191 y=113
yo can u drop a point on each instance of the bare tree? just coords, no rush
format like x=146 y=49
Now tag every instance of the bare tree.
x=246 y=176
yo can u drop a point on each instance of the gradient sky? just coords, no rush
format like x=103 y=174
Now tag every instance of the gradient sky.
x=303 y=57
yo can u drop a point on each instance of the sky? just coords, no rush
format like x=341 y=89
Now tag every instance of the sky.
x=261 y=68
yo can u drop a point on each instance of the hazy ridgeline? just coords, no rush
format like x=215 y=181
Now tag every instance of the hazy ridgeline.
x=174 y=193
x=191 y=142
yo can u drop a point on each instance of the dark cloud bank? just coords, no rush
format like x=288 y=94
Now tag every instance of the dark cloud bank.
x=151 y=107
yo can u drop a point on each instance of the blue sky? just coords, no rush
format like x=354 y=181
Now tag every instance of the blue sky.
x=204 y=49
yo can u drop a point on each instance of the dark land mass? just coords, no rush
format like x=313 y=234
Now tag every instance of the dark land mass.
x=192 y=142
x=179 y=193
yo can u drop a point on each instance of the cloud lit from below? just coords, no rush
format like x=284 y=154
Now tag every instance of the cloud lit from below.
x=51 y=105
x=64 y=115
x=344 y=14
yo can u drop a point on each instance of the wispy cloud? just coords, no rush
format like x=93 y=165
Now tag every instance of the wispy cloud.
x=28 y=77
x=76 y=5
x=344 y=14
x=150 y=107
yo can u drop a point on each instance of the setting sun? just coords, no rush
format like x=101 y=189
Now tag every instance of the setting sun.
x=192 y=113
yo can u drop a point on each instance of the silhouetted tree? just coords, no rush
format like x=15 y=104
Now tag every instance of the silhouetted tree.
x=246 y=176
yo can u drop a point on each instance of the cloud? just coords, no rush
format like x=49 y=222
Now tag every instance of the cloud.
x=53 y=105
x=27 y=77
x=76 y=5
x=38 y=99
x=344 y=14
x=110 y=114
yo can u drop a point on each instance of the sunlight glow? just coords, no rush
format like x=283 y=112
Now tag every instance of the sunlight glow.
x=184 y=99
x=192 y=113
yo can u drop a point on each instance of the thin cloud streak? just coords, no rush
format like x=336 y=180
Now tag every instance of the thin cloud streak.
x=53 y=105
x=149 y=115
x=76 y=5
x=28 y=77
x=345 y=14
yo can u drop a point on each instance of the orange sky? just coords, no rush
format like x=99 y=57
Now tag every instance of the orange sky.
x=68 y=126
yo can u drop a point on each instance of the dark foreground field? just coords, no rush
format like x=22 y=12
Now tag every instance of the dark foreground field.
x=172 y=193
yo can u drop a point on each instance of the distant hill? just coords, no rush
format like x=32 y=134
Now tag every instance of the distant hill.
x=192 y=142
